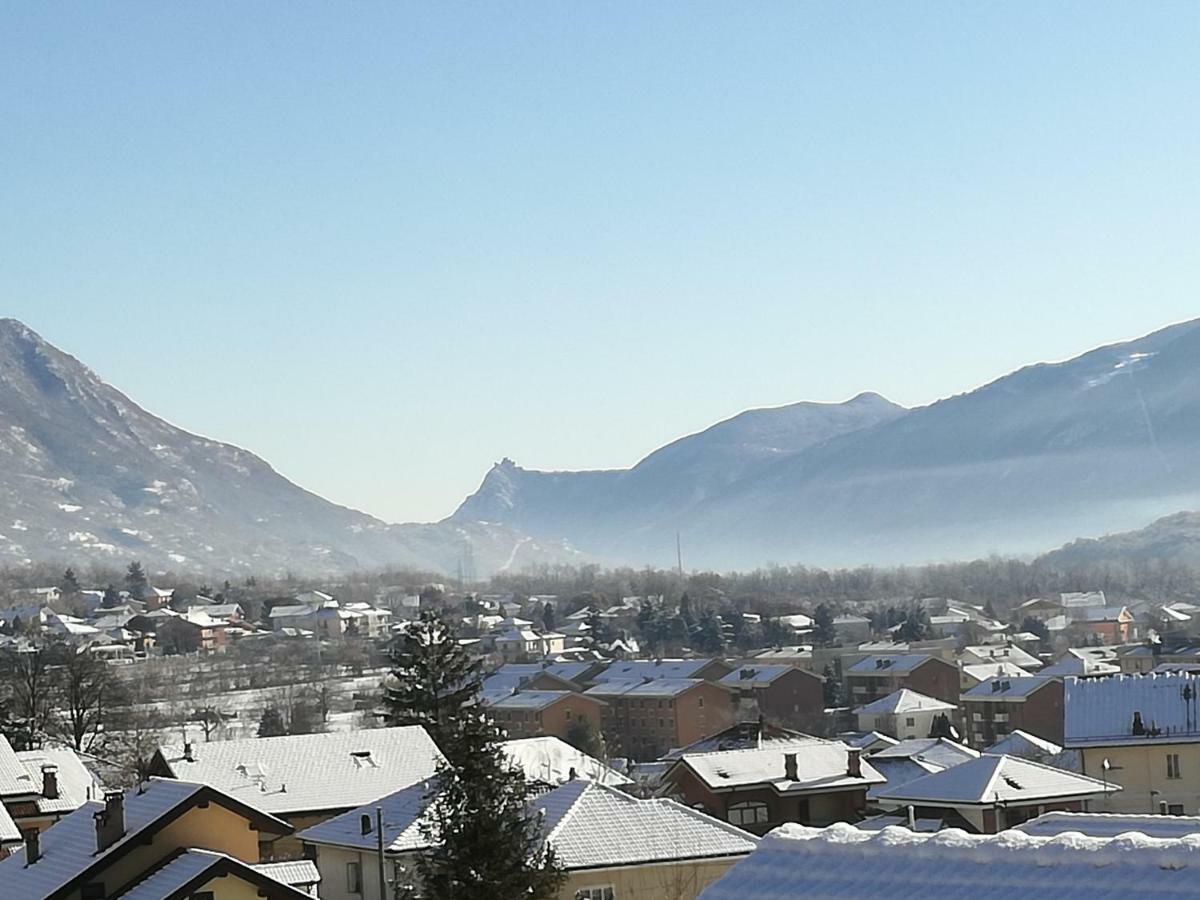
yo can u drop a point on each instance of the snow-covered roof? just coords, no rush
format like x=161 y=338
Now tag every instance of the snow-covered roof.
x=311 y=772
x=843 y=863
x=1006 y=689
x=193 y=868
x=630 y=669
x=898 y=772
x=903 y=701
x=741 y=736
x=76 y=783
x=1096 y=614
x=1079 y=664
x=662 y=687
x=820 y=765
x=885 y=664
x=68 y=848
x=757 y=676
x=985 y=653
x=1001 y=669
x=1082 y=598
x=295 y=872
x=290 y=611
x=870 y=741
x=994 y=779
x=799 y=651
x=9 y=832
x=1108 y=825
x=941 y=752
x=591 y=826
x=1101 y=711
x=1022 y=743
x=13 y=777
x=402 y=811
x=551 y=760
x=531 y=700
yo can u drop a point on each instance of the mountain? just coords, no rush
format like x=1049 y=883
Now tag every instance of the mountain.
x=1102 y=442
x=1174 y=538
x=687 y=472
x=88 y=474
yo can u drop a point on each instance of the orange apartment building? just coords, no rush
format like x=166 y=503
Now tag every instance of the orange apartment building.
x=555 y=713
x=646 y=719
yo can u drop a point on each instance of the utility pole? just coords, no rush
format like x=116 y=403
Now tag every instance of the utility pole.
x=678 y=554
x=383 y=891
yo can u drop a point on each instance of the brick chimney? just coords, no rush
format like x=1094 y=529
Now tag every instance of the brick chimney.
x=188 y=754
x=854 y=762
x=789 y=767
x=33 y=845
x=50 y=782
x=110 y=821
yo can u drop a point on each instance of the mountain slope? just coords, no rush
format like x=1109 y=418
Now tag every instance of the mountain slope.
x=593 y=505
x=85 y=473
x=1174 y=538
x=1102 y=442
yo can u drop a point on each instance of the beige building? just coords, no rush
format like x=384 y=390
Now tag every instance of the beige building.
x=1143 y=733
x=612 y=846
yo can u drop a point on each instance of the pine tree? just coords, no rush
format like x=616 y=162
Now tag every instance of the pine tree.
x=831 y=687
x=486 y=838
x=111 y=598
x=432 y=678
x=823 y=633
x=271 y=723
x=135 y=580
x=548 y=616
x=69 y=584
x=708 y=637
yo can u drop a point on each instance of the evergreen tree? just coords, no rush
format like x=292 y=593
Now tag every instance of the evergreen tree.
x=111 y=598
x=486 y=839
x=709 y=637
x=823 y=633
x=69 y=584
x=916 y=626
x=135 y=580
x=548 y=619
x=271 y=723
x=433 y=678
x=831 y=687
x=599 y=629
x=582 y=736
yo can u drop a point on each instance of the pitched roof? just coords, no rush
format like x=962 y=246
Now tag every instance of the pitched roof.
x=1110 y=825
x=310 y=772
x=1007 y=689
x=640 y=669
x=662 y=687
x=820 y=765
x=843 y=863
x=402 y=811
x=1022 y=743
x=68 y=848
x=1101 y=712
x=550 y=760
x=295 y=872
x=593 y=826
x=1001 y=669
x=751 y=735
x=76 y=783
x=13 y=777
x=903 y=701
x=9 y=832
x=758 y=676
x=889 y=662
x=191 y=869
x=938 y=751
x=293 y=609
x=531 y=700
x=986 y=653
x=991 y=779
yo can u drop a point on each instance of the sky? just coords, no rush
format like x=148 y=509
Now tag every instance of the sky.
x=384 y=245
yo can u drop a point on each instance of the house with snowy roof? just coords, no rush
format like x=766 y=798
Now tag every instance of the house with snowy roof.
x=610 y=844
x=844 y=863
x=999 y=706
x=163 y=840
x=549 y=761
x=644 y=720
x=874 y=677
x=807 y=780
x=989 y=653
x=656 y=669
x=903 y=714
x=1143 y=732
x=305 y=778
x=562 y=714
x=780 y=693
x=992 y=793
x=972 y=675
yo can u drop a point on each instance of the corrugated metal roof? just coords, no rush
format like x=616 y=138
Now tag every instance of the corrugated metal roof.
x=1101 y=712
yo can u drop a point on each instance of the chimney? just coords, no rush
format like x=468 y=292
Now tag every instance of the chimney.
x=789 y=767
x=33 y=845
x=50 y=782
x=110 y=821
x=854 y=762
x=188 y=755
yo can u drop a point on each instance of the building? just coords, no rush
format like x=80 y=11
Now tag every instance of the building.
x=564 y=714
x=909 y=760
x=779 y=693
x=1110 y=825
x=994 y=653
x=526 y=645
x=165 y=839
x=997 y=707
x=799 y=655
x=611 y=845
x=306 y=778
x=656 y=669
x=992 y=793
x=1142 y=732
x=876 y=676
x=548 y=762
x=646 y=719
x=844 y=863
x=1113 y=625
x=904 y=714
x=852 y=629
x=807 y=780
x=55 y=783
x=977 y=674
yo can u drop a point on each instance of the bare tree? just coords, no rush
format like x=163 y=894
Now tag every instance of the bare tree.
x=27 y=671
x=87 y=692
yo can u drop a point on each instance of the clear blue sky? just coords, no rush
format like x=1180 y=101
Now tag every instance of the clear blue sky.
x=385 y=244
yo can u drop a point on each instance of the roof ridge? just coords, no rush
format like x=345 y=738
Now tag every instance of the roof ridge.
x=573 y=808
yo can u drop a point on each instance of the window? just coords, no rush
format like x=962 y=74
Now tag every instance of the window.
x=700 y=701
x=605 y=892
x=910 y=721
x=1173 y=765
x=1175 y=809
x=354 y=878
x=747 y=813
